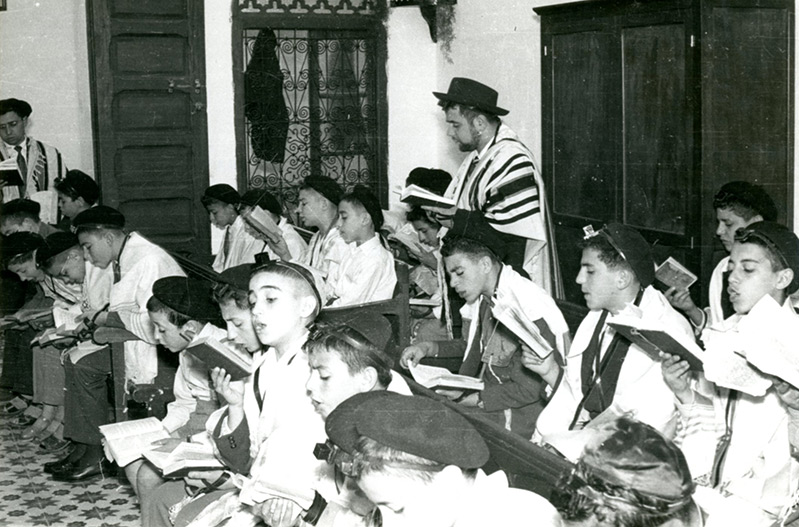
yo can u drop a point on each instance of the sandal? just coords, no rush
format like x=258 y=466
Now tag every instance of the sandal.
x=14 y=407
x=55 y=425
x=38 y=427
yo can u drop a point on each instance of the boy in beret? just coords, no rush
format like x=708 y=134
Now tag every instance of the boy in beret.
x=39 y=164
x=738 y=204
x=605 y=372
x=628 y=475
x=318 y=209
x=289 y=245
x=366 y=273
x=238 y=246
x=135 y=264
x=492 y=352
x=419 y=462
x=739 y=444
x=77 y=191
x=22 y=215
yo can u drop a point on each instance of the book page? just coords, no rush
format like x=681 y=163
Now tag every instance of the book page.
x=127 y=441
x=726 y=366
x=435 y=376
x=769 y=336
x=674 y=274
x=515 y=320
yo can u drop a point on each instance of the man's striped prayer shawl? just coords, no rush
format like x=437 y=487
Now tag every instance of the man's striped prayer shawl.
x=45 y=164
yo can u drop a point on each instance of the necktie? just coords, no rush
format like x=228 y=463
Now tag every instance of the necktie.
x=226 y=245
x=724 y=442
x=23 y=165
x=471 y=364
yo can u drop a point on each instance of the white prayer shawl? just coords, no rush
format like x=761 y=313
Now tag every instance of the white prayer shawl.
x=44 y=163
x=326 y=253
x=295 y=243
x=62 y=293
x=192 y=383
x=640 y=388
x=367 y=274
x=141 y=264
x=243 y=247
x=506 y=186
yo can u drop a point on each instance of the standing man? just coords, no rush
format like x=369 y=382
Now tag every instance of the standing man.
x=39 y=164
x=499 y=178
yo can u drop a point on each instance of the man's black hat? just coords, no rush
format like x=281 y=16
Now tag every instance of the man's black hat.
x=472 y=93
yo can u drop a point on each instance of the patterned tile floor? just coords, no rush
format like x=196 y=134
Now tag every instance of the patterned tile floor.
x=30 y=497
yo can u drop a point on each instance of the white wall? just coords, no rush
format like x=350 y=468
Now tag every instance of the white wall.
x=44 y=59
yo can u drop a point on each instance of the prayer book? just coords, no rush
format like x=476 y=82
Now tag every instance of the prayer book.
x=216 y=354
x=37 y=317
x=424 y=302
x=9 y=173
x=127 y=441
x=59 y=337
x=672 y=273
x=416 y=195
x=510 y=315
x=653 y=338
x=176 y=462
x=259 y=219
x=726 y=364
x=409 y=240
x=436 y=377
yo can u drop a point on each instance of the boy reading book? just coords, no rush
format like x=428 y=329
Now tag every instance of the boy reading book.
x=22 y=215
x=238 y=246
x=604 y=372
x=285 y=243
x=739 y=445
x=318 y=209
x=513 y=395
x=367 y=272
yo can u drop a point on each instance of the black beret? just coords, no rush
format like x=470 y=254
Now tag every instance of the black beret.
x=189 y=297
x=262 y=198
x=20 y=107
x=749 y=195
x=340 y=425
x=423 y=427
x=238 y=276
x=324 y=186
x=781 y=241
x=635 y=456
x=304 y=273
x=366 y=197
x=222 y=192
x=472 y=225
x=632 y=247
x=80 y=184
x=432 y=179
x=55 y=244
x=99 y=216
x=368 y=325
x=21 y=206
x=20 y=243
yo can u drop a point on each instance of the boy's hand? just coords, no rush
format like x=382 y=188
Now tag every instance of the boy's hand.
x=169 y=442
x=681 y=299
x=787 y=394
x=677 y=375
x=232 y=391
x=413 y=354
x=548 y=368
x=278 y=512
x=279 y=247
x=203 y=478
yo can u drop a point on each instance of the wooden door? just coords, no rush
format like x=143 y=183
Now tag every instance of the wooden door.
x=150 y=128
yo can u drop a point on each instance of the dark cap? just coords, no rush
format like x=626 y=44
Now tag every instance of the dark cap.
x=221 y=192
x=297 y=270
x=368 y=200
x=423 y=427
x=20 y=206
x=631 y=246
x=189 y=297
x=748 y=195
x=780 y=240
x=55 y=244
x=324 y=186
x=78 y=184
x=432 y=179
x=472 y=225
x=100 y=216
x=369 y=327
x=634 y=455
x=340 y=425
x=20 y=243
x=20 y=107
x=262 y=198
x=237 y=277
x=472 y=93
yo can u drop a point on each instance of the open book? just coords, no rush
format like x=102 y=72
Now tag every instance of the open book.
x=216 y=354
x=672 y=273
x=512 y=317
x=653 y=338
x=260 y=220
x=409 y=240
x=416 y=195
x=57 y=337
x=726 y=364
x=177 y=462
x=39 y=317
x=436 y=377
x=128 y=440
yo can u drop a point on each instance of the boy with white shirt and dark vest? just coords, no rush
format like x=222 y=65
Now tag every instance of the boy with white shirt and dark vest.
x=238 y=246
x=604 y=372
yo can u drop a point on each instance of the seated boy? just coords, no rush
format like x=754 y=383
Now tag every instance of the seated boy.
x=77 y=192
x=238 y=246
x=23 y=264
x=367 y=273
x=136 y=264
x=22 y=215
x=603 y=370
x=318 y=209
x=739 y=444
x=419 y=462
x=472 y=256
x=737 y=204
x=290 y=245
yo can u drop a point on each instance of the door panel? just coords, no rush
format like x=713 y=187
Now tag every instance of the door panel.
x=149 y=95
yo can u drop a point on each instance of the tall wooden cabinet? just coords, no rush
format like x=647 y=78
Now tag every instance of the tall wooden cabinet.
x=649 y=107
